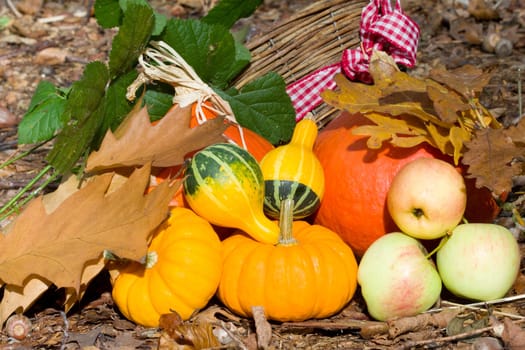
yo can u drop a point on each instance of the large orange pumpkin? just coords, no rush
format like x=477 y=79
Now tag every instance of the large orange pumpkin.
x=357 y=180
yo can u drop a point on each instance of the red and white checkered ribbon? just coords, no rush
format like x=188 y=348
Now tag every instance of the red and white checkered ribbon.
x=382 y=28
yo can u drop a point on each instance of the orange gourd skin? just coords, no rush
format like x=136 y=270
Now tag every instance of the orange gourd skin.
x=357 y=180
x=186 y=259
x=257 y=145
x=315 y=278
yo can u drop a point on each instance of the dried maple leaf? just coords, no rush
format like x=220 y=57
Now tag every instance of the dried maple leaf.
x=137 y=141
x=59 y=246
x=495 y=157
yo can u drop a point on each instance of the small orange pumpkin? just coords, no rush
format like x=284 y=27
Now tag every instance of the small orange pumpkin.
x=310 y=273
x=182 y=271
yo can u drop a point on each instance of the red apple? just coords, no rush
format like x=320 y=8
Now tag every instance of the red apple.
x=427 y=198
x=396 y=278
x=479 y=261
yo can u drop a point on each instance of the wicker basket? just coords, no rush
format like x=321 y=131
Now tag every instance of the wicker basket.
x=312 y=38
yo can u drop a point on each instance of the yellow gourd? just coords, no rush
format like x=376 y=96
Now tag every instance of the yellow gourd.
x=224 y=184
x=293 y=171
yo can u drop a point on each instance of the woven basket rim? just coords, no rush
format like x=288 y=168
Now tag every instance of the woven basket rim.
x=313 y=37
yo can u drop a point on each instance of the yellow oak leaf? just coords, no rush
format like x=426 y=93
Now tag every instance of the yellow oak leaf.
x=387 y=128
x=458 y=137
x=440 y=138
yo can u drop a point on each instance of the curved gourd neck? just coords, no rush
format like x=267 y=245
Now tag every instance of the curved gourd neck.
x=305 y=133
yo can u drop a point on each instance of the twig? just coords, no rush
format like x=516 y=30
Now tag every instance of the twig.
x=65 y=330
x=13 y=8
x=450 y=338
x=13 y=159
x=488 y=302
x=14 y=204
x=520 y=99
x=480 y=305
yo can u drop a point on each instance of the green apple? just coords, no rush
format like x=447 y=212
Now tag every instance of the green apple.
x=479 y=261
x=427 y=198
x=396 y=278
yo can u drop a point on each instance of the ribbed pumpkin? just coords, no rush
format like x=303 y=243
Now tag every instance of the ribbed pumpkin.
x=224 y=184
x=314 y=276
x=293 y=171
x=357 y=181
x=182 y=271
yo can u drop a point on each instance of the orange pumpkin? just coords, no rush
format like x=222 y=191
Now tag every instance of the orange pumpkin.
x=254 y=143
x=310 y=273
x=357 y=180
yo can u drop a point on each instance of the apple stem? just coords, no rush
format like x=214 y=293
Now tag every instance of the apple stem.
x=441 y=244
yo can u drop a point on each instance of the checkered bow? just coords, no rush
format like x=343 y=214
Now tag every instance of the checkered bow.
x=382 y=28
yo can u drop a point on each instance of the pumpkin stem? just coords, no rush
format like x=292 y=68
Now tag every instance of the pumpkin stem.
x=151 y=259
x=286 y=223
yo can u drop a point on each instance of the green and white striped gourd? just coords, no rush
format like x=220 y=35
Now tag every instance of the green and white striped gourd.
x=223 y=183
x=293 y=171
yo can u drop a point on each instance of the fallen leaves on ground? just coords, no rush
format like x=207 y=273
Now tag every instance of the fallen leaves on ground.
x=58 y=245
x=137 y=141
x=177 y=334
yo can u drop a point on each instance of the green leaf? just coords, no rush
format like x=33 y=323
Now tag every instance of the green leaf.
x=117 y=106
x=108 y=13
x=132 y=38
x=158 y=101
x=84 y=112
x=160 y=23
x=264 y=107
x=227 y=12
x=43 y=118
x=209 y=49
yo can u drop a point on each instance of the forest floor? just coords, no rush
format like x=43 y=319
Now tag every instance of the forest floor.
x=54 y=40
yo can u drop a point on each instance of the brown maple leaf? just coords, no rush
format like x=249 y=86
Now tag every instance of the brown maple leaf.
x=57 y=246
x=137 y=141
x=495 y=157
